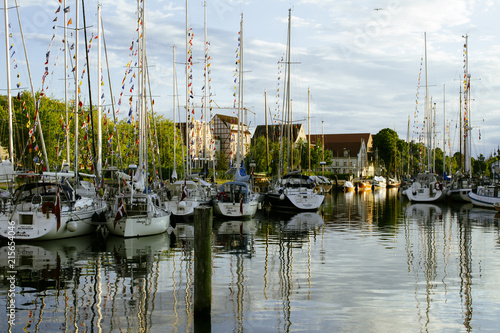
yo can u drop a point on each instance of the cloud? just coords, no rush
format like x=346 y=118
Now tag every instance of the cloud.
x=361 y=65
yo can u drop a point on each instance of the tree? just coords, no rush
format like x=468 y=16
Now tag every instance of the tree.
x=386 y=141
x=257 y=154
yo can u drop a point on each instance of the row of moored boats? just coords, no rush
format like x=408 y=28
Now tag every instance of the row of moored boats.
x=54 y=205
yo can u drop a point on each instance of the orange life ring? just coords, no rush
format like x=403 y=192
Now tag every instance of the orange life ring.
x=438 y=186
x=222 y=195
x=48 y=205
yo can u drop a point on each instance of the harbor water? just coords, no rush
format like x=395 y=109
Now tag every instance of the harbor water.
x=366 y=262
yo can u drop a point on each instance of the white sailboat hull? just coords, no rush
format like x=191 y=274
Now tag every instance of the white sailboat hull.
x=236 y=209
x=138 y=215
x=424 y=194
x=296 y=200
x=36 y=225
x=184 y=208
x=137 y=226
x=484 y=200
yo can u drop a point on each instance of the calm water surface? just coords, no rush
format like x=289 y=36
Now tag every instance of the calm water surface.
x=368 y=262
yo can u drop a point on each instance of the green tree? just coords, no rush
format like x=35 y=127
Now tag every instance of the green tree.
x=385 y=141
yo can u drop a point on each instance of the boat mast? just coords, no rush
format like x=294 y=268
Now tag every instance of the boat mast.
x=9 y=93
x=44 y=150
x=408 y=150
x=142 y=111
x=174 y=83
x=287 y=108
x=267 y=133
x=99 y=107
x=444 y=128
x=66 y=83
x=427 y=111
x=188 y=164
x=119 y=150
x=204 y=122
x=239 y=146
x=467 y=118
x=309 y=128
x=461 y=139
x=76 y=94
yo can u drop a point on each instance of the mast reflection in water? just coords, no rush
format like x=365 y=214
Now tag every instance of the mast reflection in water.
x=366 y=262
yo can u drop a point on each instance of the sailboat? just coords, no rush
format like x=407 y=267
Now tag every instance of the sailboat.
x=293 y=190
x=236 y=199
x=485 y=196
x=461 y=184
x=48 y=206
x=426 y=187
x=379 y=182
x=187 y=194
x=138 y=210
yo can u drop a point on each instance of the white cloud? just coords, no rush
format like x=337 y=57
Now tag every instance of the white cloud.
x=362 y=65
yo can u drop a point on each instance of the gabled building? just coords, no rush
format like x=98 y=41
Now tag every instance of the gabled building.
x=274 y=132
x=226 y=136
x=200 y=136
x=350 y=153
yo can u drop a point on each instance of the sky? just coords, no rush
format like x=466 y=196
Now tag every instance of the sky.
x=360 y=60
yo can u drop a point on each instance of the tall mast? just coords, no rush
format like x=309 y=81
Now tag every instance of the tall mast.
x=76 y=94
x=99 y=107
x=408 y=141
x=291 y=134
x=119 y=151
x=142 y=110
x=427 y=110
x=460 y=141
x=267 y=133
x=9 y=93
x=444 y=128
x=287 y=108
x=204 y=123
x=174 y=84
x=309 y=128
x=188 y=164
x=239 y=149
x=433 y=132
x=66 y=84
x=44 y=150
x=467 y=118
x=323 y=147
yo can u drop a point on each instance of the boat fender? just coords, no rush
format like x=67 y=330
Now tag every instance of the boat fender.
x=282 y=196
x=102 y=217
x=71 y=226
x=181 y=205
x=48 y=207
x=223 y=196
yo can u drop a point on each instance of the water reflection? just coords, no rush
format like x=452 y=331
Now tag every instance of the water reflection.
x=367 y=261
x=236 y=236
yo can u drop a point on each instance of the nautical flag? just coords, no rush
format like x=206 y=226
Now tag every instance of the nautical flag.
x=69 y=22
x=184 y=190
x=241 y=203
x=57 y=209
x=120 y=213
x=66 y=10
x=58 y=9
